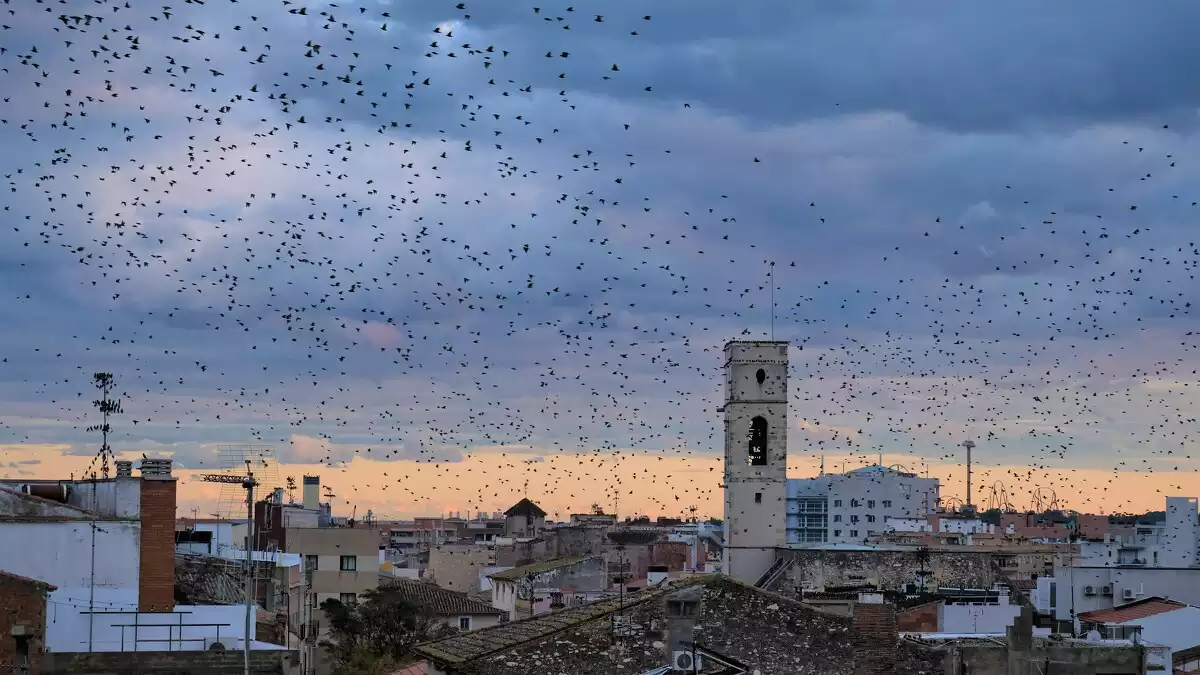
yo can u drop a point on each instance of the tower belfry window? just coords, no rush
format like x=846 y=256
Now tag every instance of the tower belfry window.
x=761 y=375
x=758 y=442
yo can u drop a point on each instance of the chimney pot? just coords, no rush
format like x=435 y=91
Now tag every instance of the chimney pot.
x=156 y=469
x=124 y=468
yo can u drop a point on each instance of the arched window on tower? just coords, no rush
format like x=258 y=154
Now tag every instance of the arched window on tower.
x=758 y=442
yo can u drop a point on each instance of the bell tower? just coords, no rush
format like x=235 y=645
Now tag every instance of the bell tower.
x=756 y=422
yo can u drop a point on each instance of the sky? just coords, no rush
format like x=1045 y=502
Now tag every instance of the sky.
x=447 y=257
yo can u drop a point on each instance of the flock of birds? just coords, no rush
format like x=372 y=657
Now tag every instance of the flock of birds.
x=412 y=232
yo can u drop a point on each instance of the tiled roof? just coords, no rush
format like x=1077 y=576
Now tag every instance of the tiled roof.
x=438 y=600
x=1138 y=609
x=1024 y=584
x=421 y=668
x=539 y=567
x=476 y=644
x=27 y=580
x=526 y=508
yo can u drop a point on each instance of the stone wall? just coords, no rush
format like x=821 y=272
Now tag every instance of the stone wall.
x=1074 y=659
x=457 y=568
x=167 y=663
x=521 y=553
x=885 y=569
x=565 y=541
x=672 y=554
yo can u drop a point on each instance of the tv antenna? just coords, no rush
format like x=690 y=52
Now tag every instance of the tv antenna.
x=236 y=460
x=248 y=482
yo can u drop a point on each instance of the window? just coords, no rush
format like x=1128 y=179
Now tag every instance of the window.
x=837 y=533
x=349 y=563
x=315 y=602
x=870 y=503
x=464 y=623
x=761 y=375
x=757 y=497
x=310 y=563
x=870 y=518
x=758 y=442
x=854 y=533
x=887 y=503
x=854 y=518
x=837 y=503
x=837 y=518
x=348 y=598
x=854 y=503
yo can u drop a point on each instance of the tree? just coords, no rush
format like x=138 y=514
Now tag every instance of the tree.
x=597 y=510
x=377 y=632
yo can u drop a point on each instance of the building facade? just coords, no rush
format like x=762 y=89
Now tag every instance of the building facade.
x=849 y=507
x=756 y=487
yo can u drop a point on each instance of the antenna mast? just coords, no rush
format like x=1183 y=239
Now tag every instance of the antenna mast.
x=968 y=444
x=249 y=482
x=771 y=276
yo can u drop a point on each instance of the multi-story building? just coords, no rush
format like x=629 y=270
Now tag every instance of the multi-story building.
x=340 y=559
x=849 y=507
x=102 y=553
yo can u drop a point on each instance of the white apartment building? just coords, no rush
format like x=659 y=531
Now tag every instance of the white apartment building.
x=847 y=508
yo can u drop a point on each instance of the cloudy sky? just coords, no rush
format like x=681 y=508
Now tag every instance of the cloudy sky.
x=449 y=256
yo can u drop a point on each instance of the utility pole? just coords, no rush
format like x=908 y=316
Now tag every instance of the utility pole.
x=968 y=444
x=249 y=482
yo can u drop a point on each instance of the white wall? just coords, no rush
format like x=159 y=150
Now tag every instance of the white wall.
x=118 y=498
x=907 y=525
x=1182 y=585
x=67 y=627
x=1178 y=630
x=60 y=553
x=965 y=526
x=504 y=596
x=1181 y=532
x=978 y=618
x=222 y=534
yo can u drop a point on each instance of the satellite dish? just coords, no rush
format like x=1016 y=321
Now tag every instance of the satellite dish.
x=1093 y=635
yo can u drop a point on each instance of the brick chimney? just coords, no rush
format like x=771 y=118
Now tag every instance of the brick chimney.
x=156 y=566
x=875 y=636
x=683 y=613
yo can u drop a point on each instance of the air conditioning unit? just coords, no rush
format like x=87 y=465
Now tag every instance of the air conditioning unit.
x=1128 y=594
x=686 y=662
x=1089 y=590
x=1106 y=590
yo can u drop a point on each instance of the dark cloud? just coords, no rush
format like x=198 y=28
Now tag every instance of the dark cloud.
x=945 y=195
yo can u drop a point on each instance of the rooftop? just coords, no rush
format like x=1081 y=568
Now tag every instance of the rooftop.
x=19 y=505
x=742 y=624
x=526 y=508
x=539 y=567
x=26 y=580
x=1138 y=609
x=438 y=600
x=478 y=644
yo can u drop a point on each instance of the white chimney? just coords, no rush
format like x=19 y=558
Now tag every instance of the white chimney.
x=312 y=493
